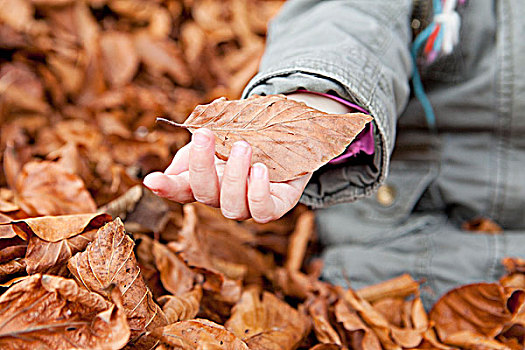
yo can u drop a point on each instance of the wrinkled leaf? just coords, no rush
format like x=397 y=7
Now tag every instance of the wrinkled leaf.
x=140 y=209
x=324 y=332
x=162 y=56
x=183 y=307
x=12 y=248
x=43 y=256
x=269 y=323
x=6 y=231
x=109 y=259
x=48 y=312
x=176 y=276
x=401 y=286
x=46 y=188
x=471 y=340
x=120 y=59
x=360 y=336
x=58 y=228
x=483 y=225
x=481 y=308
x=12 y=267
x=198 y=334
x=278 y=129
x=304 y=230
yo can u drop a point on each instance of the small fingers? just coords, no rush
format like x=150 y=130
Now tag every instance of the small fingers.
x=172 y=187
x=203 y=176
x=261 y=204
x=180 y=162
x=234 y=182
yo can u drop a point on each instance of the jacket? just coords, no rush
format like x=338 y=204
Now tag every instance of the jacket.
x=472 y=167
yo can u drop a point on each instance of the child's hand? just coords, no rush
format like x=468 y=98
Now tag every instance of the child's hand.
x=241 y=191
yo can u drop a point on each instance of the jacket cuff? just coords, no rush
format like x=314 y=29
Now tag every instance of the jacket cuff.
x=333 y=184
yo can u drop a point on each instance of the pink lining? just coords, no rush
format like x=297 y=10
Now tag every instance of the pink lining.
x=364 y=142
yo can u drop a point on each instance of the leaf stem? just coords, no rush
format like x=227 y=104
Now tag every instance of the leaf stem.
x=167 y=121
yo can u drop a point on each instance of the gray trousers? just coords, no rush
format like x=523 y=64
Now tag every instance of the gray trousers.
x=368 y=242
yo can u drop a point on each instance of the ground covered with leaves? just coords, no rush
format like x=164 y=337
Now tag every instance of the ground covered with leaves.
x=89 y=259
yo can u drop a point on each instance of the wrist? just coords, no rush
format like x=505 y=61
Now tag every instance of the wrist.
x=319 y=102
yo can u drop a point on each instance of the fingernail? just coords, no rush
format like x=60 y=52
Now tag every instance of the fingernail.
x=200 y=139
x=147 y=181
x=240 y=148
x=258 y=171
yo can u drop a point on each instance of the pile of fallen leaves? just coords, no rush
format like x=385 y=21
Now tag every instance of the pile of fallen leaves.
x=90 y=259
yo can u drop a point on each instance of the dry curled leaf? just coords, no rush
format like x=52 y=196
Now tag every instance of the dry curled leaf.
x=109 y=259
x=279 y=130
x=46 y=188
x=49 y=312
x=162 y=56
x=481 y=308
x=359 y=335
x=397 y=287
x=483 y=225
x=471 y=340
x=269 y=323
x=120 y=59
x=12 y=248
x=43 y=256
x=514 y=265
x=15 y=266
x=183 y=307
x=176 y=276
x=325 y=333
x=57 y=228
x=303 y=232
x=327 y=347
x=198 y=334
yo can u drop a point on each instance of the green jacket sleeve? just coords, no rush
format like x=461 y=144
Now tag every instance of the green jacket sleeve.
x=356 y=49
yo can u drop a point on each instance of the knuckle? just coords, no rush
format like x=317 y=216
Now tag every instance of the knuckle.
x=258 y=200
x=199 y=167
x=231 y=179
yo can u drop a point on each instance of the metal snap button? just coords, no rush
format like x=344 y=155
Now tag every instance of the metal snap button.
x=386 y=195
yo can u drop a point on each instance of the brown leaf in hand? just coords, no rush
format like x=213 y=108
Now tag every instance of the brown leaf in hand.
x=49 y=312
x=279 y=130
x=176 y=276
x=109 y=259
x=269 y=323
x=198 y=334
x=481 y=308
x=45 y=188
x=183 y=307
